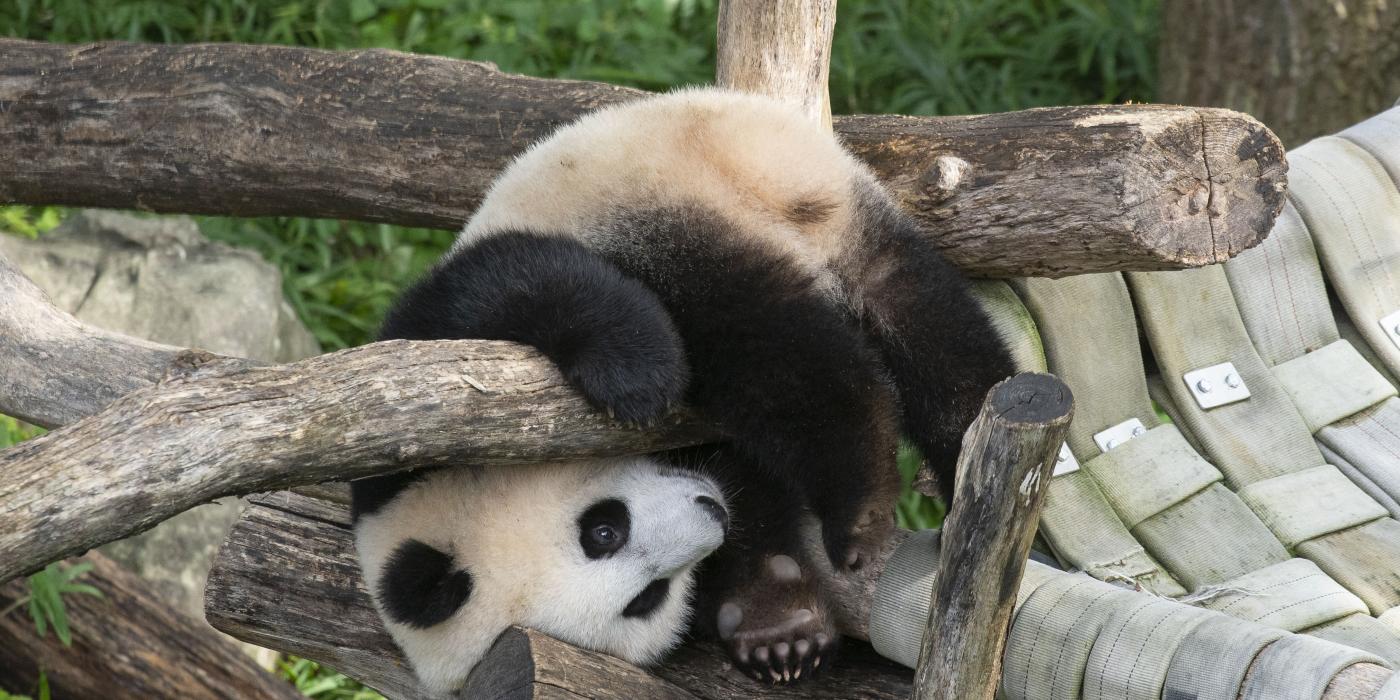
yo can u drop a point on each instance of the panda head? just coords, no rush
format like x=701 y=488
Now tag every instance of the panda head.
x=600 y=554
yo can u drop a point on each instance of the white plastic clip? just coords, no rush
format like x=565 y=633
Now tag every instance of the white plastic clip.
x=1391 y=325
x=1119 y=434
x=1065 y=462
x=1216 y=385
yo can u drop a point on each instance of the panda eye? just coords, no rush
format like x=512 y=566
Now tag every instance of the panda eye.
x=603 y=528
x=603 y=535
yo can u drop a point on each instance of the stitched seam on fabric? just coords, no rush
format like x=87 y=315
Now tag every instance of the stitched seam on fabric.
x=1294 y=605
x=1114 y=648
x=1375 y=251
x=1055 y=677
x=1025 y=686
x=1243 y=598
x=1143 y=646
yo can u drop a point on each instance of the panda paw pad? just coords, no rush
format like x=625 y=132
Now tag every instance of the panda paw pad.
x=778 y=630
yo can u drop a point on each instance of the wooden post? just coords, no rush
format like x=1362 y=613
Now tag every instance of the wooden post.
x=1007 y=459
x=779 y=48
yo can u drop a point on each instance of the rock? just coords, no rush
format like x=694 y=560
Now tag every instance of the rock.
x=160 y=279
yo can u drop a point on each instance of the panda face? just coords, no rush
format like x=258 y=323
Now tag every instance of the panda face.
x=600 y=554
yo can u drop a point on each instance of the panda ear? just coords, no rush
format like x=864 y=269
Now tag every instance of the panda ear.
x=420 y=588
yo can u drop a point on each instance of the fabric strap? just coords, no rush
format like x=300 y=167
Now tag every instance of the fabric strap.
x=1299 y=667
x=1211 y=662
x=1133 y=653
x=1292 y=595
x=1332 y=383
x=1077 y=521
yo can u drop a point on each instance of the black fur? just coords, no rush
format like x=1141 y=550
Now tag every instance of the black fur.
x=938 y=344
x=609 y=515
x=774 y=361
x=607 y=333
x=370 y=494
x=419 y=587
x=649 y=599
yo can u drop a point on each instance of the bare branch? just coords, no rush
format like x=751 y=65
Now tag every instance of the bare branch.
x=416 y=140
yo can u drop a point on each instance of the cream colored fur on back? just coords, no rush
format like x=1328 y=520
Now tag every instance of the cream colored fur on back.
x=761 y=164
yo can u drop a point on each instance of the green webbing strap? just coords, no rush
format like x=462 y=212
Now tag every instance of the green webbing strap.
x=1157 y=483
x=1352 y=209
x=1090 y=338
x=1292 y=595
x=1211 y=662
x=1133 y=653
x=1192 y=322
x=1284 y=304
x=1380 y=136
x=1053 y=635
x=1280 y=293
x=1310 y=503
x=1210 y=537
x=1299 y=667
x=1362 y=632
x=1363 y=481
x=1077 y=521
x=1391 y=689
x=1332 y=383
x=900 y=606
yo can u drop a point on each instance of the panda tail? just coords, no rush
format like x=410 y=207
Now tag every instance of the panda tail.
x=608 y=334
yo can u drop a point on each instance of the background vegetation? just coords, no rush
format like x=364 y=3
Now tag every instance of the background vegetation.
x=890 y=56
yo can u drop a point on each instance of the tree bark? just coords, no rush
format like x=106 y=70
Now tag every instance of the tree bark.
x=779 y=48
x=127 y=644
x=416 y=140
x=1305 y=68
x=1004 y=471
x=287 y=578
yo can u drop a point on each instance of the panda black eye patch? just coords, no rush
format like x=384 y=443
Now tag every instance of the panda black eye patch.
x=419 y=587
x=603 y=528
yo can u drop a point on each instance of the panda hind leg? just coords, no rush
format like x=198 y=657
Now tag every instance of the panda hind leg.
x=761 y=594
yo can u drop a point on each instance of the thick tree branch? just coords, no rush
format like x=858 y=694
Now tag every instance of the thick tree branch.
x=213 y=427
x=384 y=136
x=779 y=48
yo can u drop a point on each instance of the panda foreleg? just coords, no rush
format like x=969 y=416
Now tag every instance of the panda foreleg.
x=938 y=344
x=609 y=334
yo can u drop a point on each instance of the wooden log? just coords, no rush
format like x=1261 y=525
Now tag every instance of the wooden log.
x=779 y=48
x=1004 y=471
x=212 y=427
x=127 y=644
x=384 y=136
x=287 y=578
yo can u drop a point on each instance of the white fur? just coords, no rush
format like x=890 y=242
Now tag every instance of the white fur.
x=515 y=530
x=750 y=157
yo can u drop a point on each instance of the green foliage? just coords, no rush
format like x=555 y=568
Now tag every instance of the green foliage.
x=45 y=598
x=42 y=692
x=28 y=222
x=316 y=681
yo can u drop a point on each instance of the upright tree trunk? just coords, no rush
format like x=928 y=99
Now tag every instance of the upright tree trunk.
x=1303 y=67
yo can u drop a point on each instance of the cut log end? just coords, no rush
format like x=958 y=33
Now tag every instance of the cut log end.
x=1032 y=398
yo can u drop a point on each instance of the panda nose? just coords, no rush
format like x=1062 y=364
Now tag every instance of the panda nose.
x=715 y=510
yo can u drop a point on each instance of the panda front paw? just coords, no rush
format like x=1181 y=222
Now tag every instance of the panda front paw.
x=635 y=391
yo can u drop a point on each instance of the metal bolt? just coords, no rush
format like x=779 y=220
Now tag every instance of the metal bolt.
x=1204 y=386
x=1396 y=329
x=1232 y=380
x=1138 y=430
x=1112 y=444
x=1061 y=459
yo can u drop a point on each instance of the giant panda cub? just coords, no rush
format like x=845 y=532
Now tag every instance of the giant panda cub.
x=701 y=247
